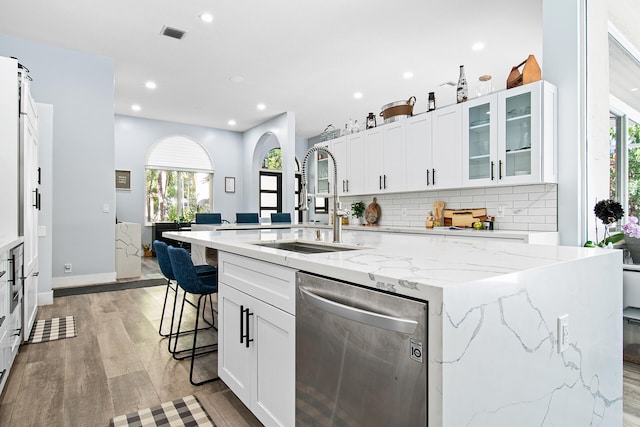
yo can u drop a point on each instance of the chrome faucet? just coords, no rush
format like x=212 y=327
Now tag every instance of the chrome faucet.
x=338 y=212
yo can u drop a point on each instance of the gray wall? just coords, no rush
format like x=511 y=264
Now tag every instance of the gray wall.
x=133 y=139
x=80 y=87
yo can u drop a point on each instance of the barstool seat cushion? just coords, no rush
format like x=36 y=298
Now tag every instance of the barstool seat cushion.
x=187 y=276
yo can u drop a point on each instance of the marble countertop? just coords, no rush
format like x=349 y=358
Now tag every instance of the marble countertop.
x=402 y=263
x=436 y=231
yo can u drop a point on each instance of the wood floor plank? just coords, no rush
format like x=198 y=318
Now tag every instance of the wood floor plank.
x=85 y=388
x=132 y=392
x=44 y=379
x=112 y=335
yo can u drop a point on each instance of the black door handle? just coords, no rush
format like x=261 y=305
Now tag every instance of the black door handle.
x=433 y=176
x=500 y=169
x=39 y=175
x=428 y=177
x=492 y=175
x=380 y=182
x=247 y=314
x=385 y=182
x=241 y=324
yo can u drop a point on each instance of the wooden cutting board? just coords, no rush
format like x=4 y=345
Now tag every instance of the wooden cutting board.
x=372 y=212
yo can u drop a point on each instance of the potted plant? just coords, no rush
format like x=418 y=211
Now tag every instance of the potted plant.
x=608 y=212
x=631 y=232
x=357 y=211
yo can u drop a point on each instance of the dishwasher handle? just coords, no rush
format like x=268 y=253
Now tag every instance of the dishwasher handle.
x=371 y=318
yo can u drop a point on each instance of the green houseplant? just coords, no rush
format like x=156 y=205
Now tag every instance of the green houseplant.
x=357 y=210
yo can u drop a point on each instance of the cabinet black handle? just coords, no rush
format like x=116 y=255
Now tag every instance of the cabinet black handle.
x=433 y=175
x=36 y=274
x=35 y=198
x=4 y=371
x=247 y=314
x=500 y=169
x=343 y=187
x=39 y=201
x=380 y=182
x=39 y=175
x=2 y=319
x=241 y=324
x=428 y=177
x=492 y=175
x=347 y=186
x=17 y=332
x=385 y=182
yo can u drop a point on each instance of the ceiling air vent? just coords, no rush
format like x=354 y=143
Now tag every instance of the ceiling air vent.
x=172 y=32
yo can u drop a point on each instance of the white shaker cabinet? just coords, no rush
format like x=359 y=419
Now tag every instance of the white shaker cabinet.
x=348 y=152
x=446 y=148
x=256 y=306
x=434 y=147
x=385 y=158
x=322 y=161
x=509 y=137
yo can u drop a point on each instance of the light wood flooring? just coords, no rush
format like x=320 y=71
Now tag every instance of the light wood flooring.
x=117 y=364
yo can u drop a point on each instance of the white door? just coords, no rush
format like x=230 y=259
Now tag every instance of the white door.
x=519 y=141
x=31 y=193
x=273 y=396
x=355 y=165
x=373 y=165
x=446 y=151
x=418 y=152
x=234 y=357
x=394 y=176
x=479 y=142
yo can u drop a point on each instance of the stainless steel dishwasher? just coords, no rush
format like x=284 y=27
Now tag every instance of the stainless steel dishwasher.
x=361 y=356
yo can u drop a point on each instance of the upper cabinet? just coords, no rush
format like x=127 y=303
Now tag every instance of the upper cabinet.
x=509 y=137
x=322 y=169
x=434 y=147
x=348 y=152
x=504 y=138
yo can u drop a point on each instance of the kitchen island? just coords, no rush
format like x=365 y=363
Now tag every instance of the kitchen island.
x=493 y=352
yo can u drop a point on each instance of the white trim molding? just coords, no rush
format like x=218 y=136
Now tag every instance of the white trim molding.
x=84 y=280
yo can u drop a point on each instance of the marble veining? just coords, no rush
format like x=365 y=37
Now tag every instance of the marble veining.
x=128 y=250
x=493 y=309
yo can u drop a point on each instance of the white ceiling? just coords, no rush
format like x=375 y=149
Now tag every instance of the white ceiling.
x=305 y=56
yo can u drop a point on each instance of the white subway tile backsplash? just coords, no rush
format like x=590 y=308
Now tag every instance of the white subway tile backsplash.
x=499 y=190
x=527 y=207
x=514 y=196
x=472 y=192
x=486 y=198
x=542 y=211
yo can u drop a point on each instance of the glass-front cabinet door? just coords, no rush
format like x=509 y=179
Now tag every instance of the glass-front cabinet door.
x=519 y=134
x=322 y=170
x=479 y=141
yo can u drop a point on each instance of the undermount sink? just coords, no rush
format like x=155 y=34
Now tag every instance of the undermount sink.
x=306 y=247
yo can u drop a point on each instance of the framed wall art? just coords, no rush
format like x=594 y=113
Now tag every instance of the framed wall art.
x=123 y=180
x=229 y=184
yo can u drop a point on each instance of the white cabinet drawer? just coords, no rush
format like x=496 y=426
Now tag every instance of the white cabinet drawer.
x=268 y=282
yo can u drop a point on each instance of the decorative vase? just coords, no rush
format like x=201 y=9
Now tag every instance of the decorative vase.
x=356 y=220
x=633 y=245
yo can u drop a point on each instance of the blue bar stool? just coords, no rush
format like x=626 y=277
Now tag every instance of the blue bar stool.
x=247 y=218
x=281 y=217
x=202 y=287
x=164 y=263
x=208 y=218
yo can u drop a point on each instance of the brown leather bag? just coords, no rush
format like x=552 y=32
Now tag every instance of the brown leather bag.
x=530 y=73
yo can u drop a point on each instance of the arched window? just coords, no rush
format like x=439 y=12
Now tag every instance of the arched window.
x=179 y=177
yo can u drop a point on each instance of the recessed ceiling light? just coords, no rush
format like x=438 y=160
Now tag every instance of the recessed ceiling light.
x=357 y=95
x=136 y=107
x=635 y=89
x=231 y=122
x=407 y=75
x=477 y=46
x=236 y=79
x=261 y=106
x=150 y=85
x=206 y=17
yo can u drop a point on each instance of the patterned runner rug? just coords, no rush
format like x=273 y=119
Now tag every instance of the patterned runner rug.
x=185 y=412
x=53 y=329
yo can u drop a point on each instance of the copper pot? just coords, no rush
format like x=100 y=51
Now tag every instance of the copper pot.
x=398 y=110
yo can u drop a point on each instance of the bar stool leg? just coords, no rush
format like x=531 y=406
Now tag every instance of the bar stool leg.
x=164 y=306
x=195 y=338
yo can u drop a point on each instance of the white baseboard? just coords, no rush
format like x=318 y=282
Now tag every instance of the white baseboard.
x=76 y=281
x=45 y=298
